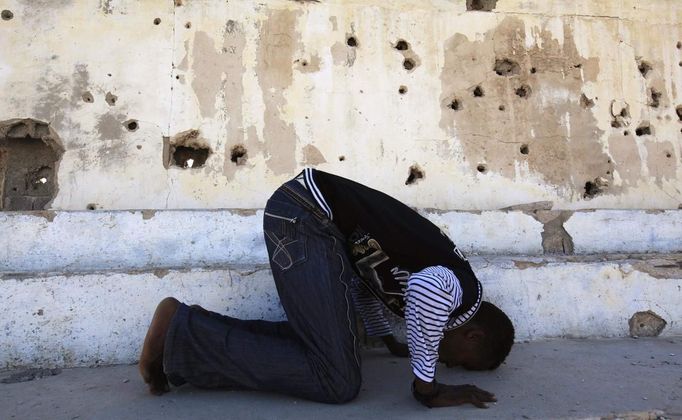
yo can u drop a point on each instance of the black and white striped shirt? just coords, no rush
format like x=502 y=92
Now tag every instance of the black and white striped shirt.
x=430 y=295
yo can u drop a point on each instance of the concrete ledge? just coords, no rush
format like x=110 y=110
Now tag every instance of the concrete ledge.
x=626 y=231
x=113 y=240
x=101 y=317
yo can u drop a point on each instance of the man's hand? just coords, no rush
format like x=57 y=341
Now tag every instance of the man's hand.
x=433 y=394
x=396 y=348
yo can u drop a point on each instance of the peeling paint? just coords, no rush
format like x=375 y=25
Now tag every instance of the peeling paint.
x=278 y=43
x=148 y=214
x=48 y=215
x=555 y=238
x=563 y=92
x=560 y=141
x=660 y=269
x=522 y=265
x=530 y=207
x=312 y=156
x=161 y=272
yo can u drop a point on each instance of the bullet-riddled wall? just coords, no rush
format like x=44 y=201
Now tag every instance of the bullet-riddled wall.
x=443 y=104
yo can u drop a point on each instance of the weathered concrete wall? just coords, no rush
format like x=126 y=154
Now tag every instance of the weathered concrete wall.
x=568 y=102
x=501 y=126
x=79 y=287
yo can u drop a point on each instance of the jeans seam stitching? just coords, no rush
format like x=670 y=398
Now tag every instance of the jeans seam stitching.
x=345 y=295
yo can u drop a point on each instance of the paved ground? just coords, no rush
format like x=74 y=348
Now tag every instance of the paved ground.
x=551 y=379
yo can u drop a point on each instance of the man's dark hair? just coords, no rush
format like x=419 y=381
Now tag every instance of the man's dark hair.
x=499 y=333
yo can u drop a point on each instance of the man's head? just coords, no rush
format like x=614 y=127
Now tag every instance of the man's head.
x=482 y=343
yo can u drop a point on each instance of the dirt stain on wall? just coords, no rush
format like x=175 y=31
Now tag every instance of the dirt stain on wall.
x=661 y=160
x=110 y=126
x=502 y=120
x=278 y=42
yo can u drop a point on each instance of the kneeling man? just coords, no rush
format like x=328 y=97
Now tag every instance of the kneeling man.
x=337 y=247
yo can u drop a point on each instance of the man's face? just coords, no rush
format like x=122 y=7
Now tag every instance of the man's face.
x=460 y=347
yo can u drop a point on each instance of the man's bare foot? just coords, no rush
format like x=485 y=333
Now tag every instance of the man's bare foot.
x=151 y=358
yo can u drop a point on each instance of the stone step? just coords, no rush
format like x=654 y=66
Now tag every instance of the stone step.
x=65 y=241
x=85 y=318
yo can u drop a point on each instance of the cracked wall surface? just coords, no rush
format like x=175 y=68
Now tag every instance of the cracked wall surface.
x=443 y=104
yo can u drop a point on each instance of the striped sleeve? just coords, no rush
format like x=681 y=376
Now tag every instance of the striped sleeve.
x=317 y=195
x=370 y=309
x=432 y=294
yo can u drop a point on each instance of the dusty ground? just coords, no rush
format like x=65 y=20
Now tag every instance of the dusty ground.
x=551 y=379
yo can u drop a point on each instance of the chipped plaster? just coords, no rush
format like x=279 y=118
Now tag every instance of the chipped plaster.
x=280 y=78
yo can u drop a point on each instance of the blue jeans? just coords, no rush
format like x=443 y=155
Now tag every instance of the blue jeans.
x=312 y=355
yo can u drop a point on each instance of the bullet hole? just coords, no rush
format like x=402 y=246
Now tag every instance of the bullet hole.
x=109 y=74
x=455 y=105
x=139 y=147
x=402 y=45
x=7 y=14
x=678 y=111
x=478 y=92
x=415 y=174
x=644 y=67
x=626 y=133
x=524 y=149
x=523 y=91
x=189 y=157
x=157 y=21
x=131 y=125
x=188 y=25
x=351 y=41
x=187 y=150
x=595 y=187
x=644 y=129
x=482 y=168
x=680 y=64
x=586 y=102
x=679 y=45
x=482 y=5
x=578 y=66
x=91 y=206
x=655 y=98
x=87 y=97
x=646 y=324
x=342 y=158
x=111 y=99
x=620 y=111
x=668 y=155
x=177 y=77
x=238 y=154
x=402 y=90
x=501 y=107
x=408 y=64
x=590 y=189
x=506 y=67
x=533 y=70
x=30 y=153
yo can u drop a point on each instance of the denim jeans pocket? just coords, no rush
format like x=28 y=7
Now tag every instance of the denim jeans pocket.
x=285 y=241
